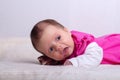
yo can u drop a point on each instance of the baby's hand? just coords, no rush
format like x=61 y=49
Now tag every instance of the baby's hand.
x=44 y=60
x=67 y=63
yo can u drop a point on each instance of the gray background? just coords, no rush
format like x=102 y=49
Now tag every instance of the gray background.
x=98 y=17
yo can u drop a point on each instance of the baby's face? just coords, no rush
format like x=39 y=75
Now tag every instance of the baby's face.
x=56 y=43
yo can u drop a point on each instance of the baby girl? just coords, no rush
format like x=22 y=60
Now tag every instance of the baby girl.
x=61 y=46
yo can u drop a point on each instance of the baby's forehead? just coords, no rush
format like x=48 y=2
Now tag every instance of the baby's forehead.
x=42 y=47
x=47 y=36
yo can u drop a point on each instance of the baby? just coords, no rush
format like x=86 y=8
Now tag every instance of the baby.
x=61 y=46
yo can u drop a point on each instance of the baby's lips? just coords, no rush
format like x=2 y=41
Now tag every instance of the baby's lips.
x=65 y=51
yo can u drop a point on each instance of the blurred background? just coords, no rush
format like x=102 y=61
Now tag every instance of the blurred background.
x=97 y=17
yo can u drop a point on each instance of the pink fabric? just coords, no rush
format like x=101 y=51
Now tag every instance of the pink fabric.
x=109 y=43
x=111 y=48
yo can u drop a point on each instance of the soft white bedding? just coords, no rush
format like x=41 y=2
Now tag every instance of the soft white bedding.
x=18 y=61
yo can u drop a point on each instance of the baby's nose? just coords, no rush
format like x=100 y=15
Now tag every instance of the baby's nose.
x=59 y=48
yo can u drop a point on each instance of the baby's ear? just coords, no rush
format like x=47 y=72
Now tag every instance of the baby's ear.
x=65 y=29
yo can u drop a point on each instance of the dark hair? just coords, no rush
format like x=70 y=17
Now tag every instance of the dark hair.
x=38 y=29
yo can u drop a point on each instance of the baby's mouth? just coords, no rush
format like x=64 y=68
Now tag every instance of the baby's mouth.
x=65 y=51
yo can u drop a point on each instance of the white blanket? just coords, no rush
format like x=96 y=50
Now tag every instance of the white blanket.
x=18 y=61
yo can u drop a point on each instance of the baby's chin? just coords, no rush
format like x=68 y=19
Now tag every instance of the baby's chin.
x=60 y=59
x=63 y=57
x=70 y=51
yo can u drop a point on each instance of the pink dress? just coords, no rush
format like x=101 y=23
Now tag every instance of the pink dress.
x=109 y=43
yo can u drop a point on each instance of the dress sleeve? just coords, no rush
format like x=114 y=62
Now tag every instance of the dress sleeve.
x=92 y=57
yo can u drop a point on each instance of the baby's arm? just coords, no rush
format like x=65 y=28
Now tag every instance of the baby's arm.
x=91 y=58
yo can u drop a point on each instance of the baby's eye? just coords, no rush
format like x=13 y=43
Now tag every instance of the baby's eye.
x=51 y=49
x=59 y=37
